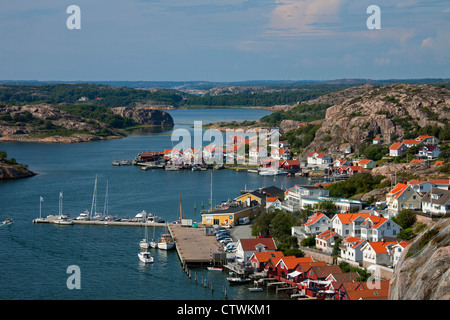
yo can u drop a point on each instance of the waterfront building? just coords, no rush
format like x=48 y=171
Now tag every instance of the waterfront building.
x=229 y=215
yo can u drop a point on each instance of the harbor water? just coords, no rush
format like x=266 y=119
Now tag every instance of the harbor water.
x=35 y=258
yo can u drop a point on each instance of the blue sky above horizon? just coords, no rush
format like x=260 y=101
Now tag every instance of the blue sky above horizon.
x=224 y=40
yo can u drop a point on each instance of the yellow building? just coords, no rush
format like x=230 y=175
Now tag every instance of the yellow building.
x=252 y=198
x=229 y=216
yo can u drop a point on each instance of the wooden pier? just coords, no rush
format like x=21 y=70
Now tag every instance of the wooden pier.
x=193 y=246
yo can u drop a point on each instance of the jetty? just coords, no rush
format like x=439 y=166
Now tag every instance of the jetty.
x=51 y=219
x=195 y=247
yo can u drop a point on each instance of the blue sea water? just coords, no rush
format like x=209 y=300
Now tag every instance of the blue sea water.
x=34 y=257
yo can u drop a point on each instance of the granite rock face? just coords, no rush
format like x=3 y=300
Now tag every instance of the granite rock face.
x=423 y=271
x=380 y=112
x=145 y=115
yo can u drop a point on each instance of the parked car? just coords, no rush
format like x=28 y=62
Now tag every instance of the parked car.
x=230 y=247
x=226 y=240
x=221 y=237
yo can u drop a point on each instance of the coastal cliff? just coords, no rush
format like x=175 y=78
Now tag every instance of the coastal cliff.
x=423 y=271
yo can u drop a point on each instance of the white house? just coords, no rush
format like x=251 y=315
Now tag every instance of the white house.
x=341 y=163
x=319 y=159
x=429 y=151
x=420 y=186
x=430 y=140
x=351 y=249
x=396 y=250
x=256 y=153
x=443 y=184
x=343 y=223
x=375 y=228
x=281 y=154
x=325 y=240
x=247 y=247
x=317 y=223
x=273 y=203
x=436 y=201
x=381 y=252
x=367 y=163
x=397 y=149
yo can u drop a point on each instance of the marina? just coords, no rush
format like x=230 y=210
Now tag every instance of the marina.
x=37 y=255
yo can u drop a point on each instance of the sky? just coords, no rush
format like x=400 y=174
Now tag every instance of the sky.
x=223 y=40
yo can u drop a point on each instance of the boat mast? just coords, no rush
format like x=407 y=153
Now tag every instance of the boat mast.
x=94 y=205
x=105 y=207
x=210 y=205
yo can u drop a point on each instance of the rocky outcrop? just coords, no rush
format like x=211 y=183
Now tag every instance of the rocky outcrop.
x=10 y=170
x=146 y=116
x=423 y=271
x=46 y=123
x=381 y=112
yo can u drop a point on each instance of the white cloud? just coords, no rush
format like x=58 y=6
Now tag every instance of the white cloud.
x=382 y=61
x=428 y=42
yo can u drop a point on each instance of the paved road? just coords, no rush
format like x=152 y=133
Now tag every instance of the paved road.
x=241 y=232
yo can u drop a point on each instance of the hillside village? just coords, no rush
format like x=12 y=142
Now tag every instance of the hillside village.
x=363 y=235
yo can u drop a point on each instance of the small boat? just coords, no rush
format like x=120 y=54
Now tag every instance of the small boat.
x=153 y=218
x=125 y=162
x=6 y=221
x=171 y=168
x=166 y=242
x=214 y=269
x=144 y=244
x=83 y=216
x=255 y=289
x=238 y=280
x=145 y=257
x=63 y=220
x=116 y=163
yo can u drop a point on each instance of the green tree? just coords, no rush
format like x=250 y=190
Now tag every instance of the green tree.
x=405 y=218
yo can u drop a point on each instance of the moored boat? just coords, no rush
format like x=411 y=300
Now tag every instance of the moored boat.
x=6 y=221
x=145 y=257
x=166 y=242
x=238 y=280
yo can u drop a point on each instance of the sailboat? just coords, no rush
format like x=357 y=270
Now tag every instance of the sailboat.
x=94 y=214
x=62 y=219
x=144 y=244
x=153 y=243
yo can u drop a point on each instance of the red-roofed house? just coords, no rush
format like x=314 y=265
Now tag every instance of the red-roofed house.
x=411 y=143
x=325 y=240
x=318 y=159
x=259 y=260
x=351 y=249
x=367 y=163
x=402 y=196
x=443 y=184
x=317 y=223
x=420 y=186
x=428 y=140
x=341 y=163
x=281 y=154
x=374 y=228
x=247 y=247
x=348 y=224
x=289 y=264
x=397 y=149
x=381 y=252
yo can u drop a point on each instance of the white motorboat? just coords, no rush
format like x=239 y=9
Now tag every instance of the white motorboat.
x=153 y=218
x=145 y=257
x=83 y=216
x=171 y=168
x=238 y=280
x=141 y=216
x=214 y=269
